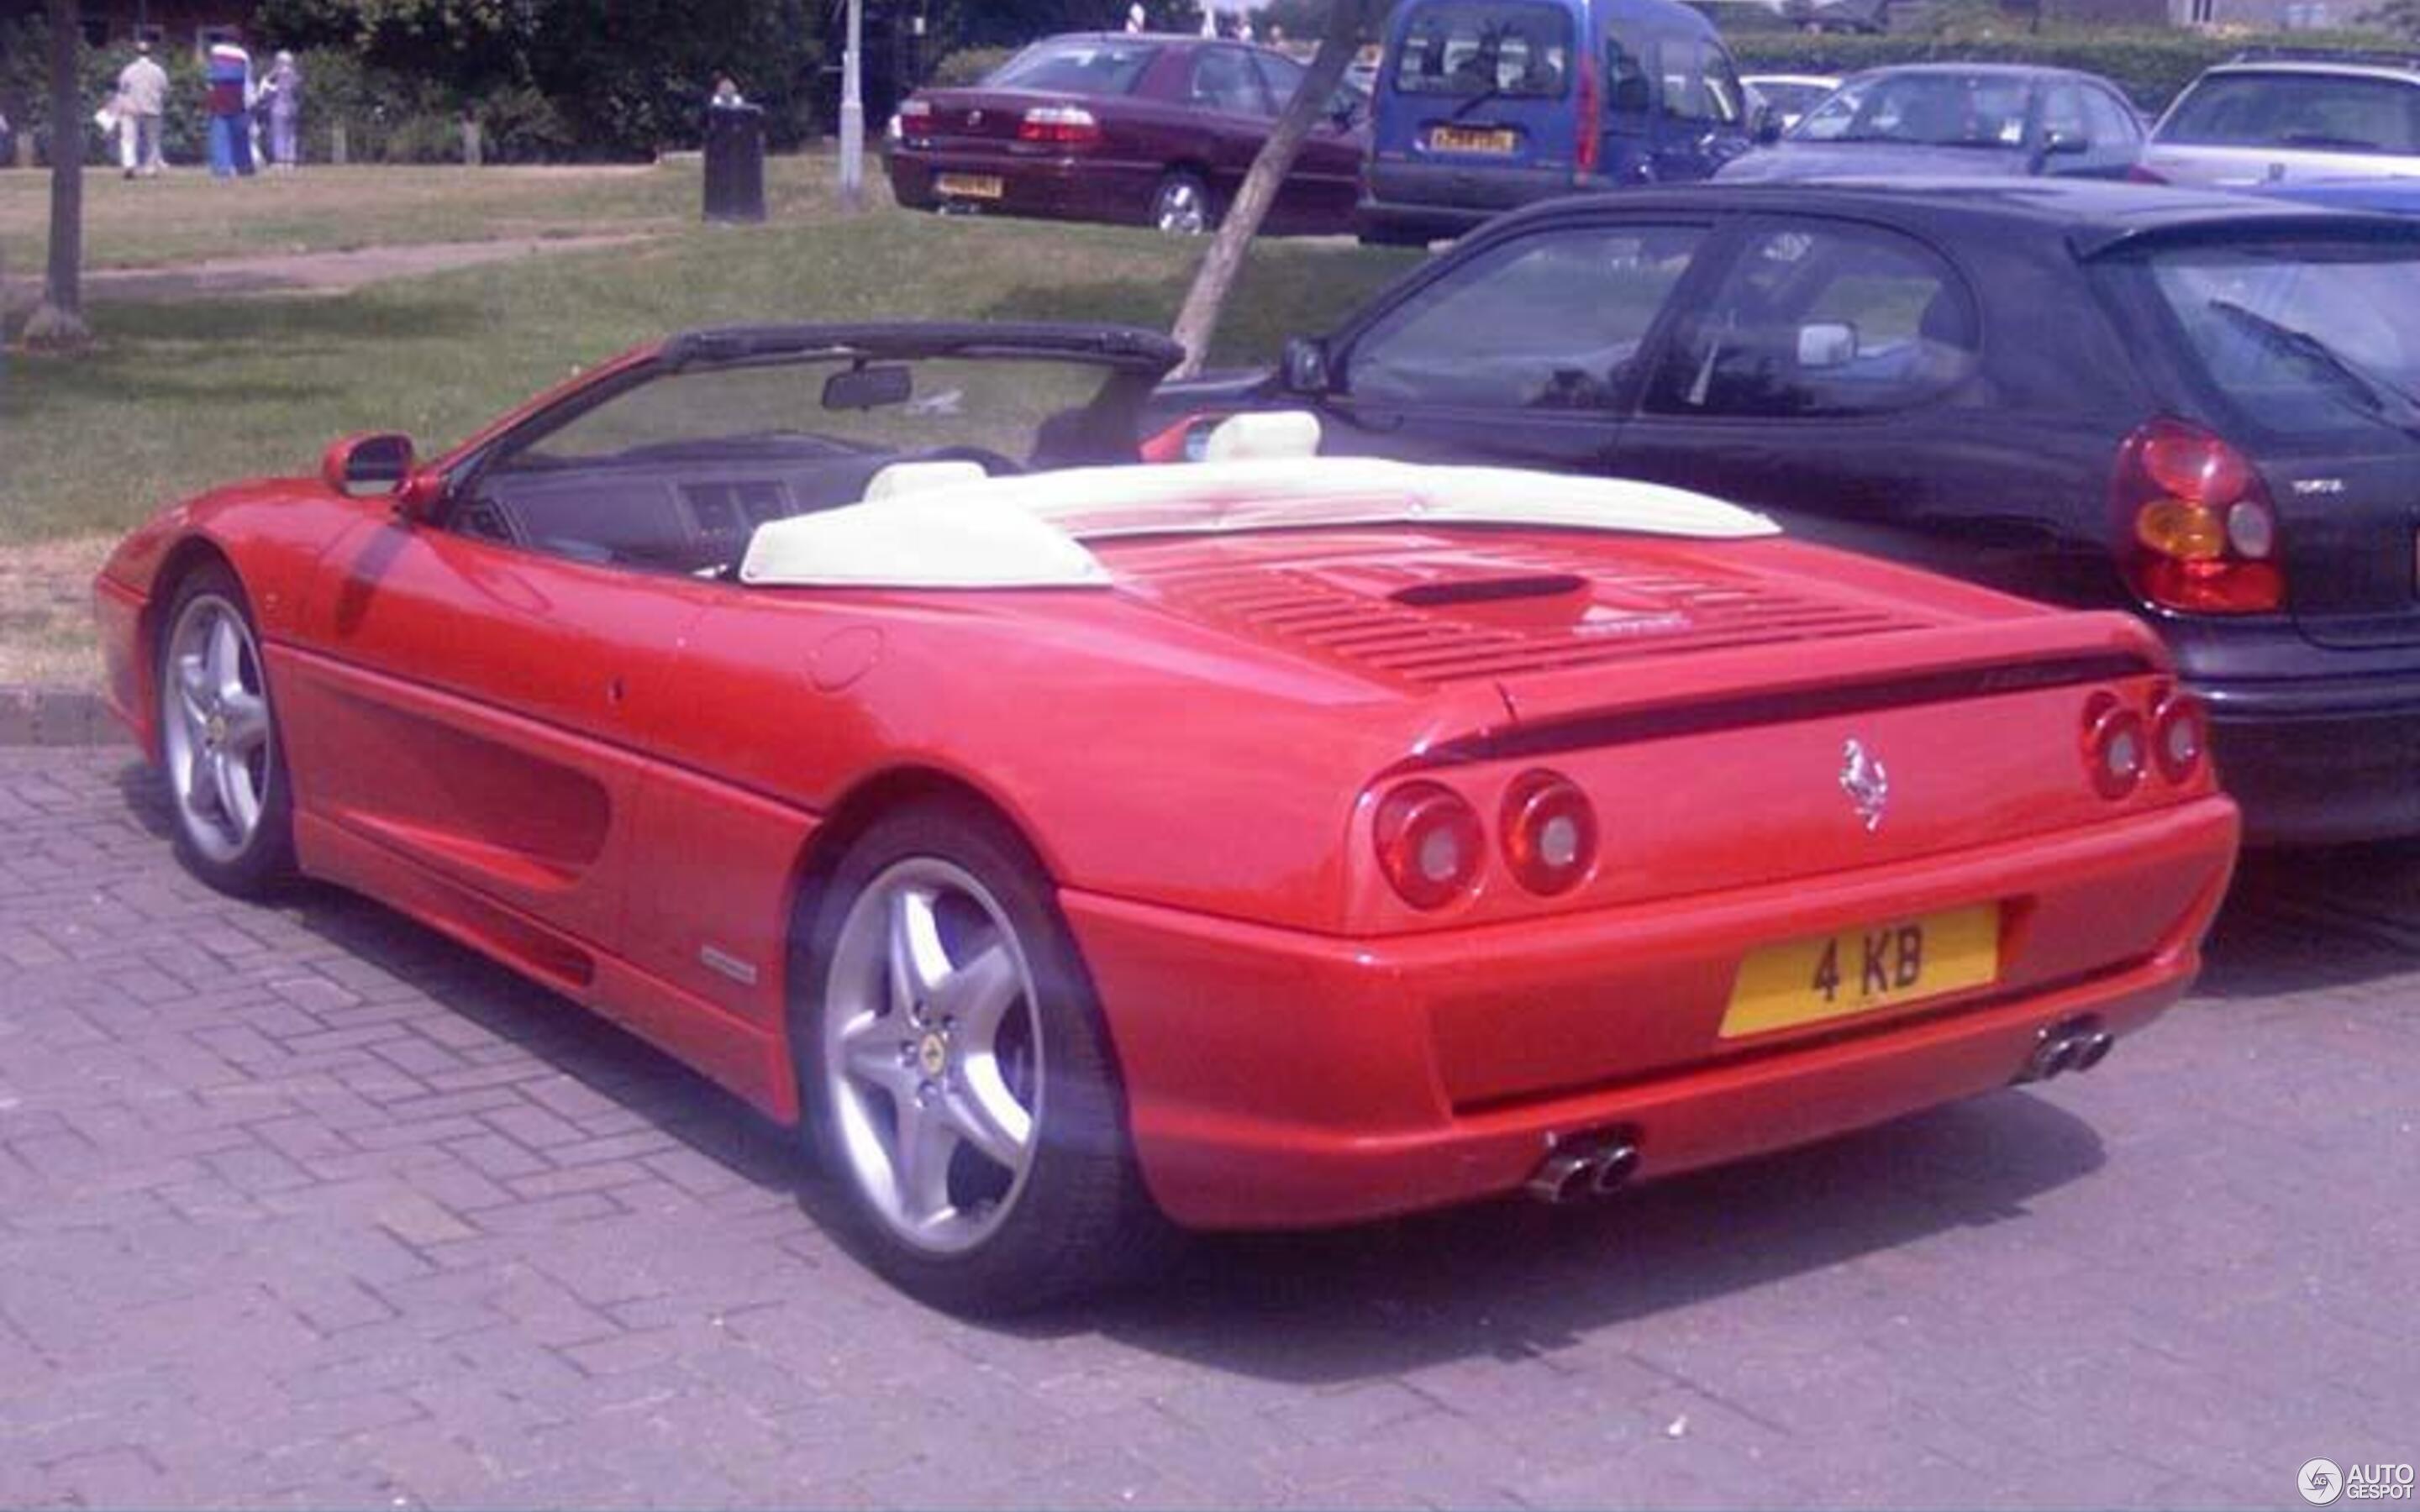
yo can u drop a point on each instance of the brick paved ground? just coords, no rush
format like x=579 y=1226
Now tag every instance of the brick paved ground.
x=302 y=1206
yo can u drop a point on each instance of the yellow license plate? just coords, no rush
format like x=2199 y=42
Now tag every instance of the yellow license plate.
x=1856 y=971
x=1470 y=139
x=968 y=185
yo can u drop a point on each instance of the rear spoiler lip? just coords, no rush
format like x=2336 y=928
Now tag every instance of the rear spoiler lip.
x=1557 y=712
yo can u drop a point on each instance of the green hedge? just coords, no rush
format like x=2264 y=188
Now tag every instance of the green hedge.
x=2151 y=66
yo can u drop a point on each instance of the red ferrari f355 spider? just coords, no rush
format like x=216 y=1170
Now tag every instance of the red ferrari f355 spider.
x=1081 y=849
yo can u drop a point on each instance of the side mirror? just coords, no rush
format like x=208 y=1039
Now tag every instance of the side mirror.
x=2058 y=145
x=1826 y=343
x=1306 y=365
x=375 y=462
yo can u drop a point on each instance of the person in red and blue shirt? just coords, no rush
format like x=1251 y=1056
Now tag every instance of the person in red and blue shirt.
x=227 y=73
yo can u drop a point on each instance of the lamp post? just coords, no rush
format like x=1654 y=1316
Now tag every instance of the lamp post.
x=852 y=113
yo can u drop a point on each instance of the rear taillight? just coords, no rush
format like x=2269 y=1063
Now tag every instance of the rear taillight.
x=912 y=110
x=2137 y=174
x=1065 y=126
x=1430 y=844
x=1549 y=833
x=2198 y=531
x=2180 y=736
x=1589 y=147
x=2115 y=754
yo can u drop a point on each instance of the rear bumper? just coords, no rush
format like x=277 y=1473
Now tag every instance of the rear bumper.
x=1279 y=1079
x=2321 y=760
x=1071 y=188
x=1432 y=200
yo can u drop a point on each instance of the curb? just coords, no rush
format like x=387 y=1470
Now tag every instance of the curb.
x=55 y=717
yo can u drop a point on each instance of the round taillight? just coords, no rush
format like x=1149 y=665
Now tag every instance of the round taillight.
x=2185 y=531
x=2251 y=530
x=2180 y=738
x=2115 y=745
x=1428 y=844
x=1549 y=833
x=2196 y=466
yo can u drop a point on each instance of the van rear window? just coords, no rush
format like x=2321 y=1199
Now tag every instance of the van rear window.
x=1499 y=48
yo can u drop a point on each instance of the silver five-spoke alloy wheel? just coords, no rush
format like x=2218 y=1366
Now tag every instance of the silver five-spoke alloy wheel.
x=215 y=727
x=932 y=1054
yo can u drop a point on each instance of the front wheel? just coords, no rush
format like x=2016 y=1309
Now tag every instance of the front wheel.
x=1180 y=207
x=218 y=739
x=955 y=1061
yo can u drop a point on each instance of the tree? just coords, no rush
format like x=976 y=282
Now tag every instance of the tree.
x=1215 y=278
x=57 y=323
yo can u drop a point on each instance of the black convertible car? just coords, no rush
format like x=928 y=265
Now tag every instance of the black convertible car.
x=2203 y=407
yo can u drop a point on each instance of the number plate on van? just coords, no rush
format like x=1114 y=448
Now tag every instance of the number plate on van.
x=1497 y=141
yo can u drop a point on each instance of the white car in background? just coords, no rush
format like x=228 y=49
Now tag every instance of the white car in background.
x=2273 y=119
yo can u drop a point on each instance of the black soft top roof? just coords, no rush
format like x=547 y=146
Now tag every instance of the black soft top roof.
x=1128 y=348
x=2090 y=216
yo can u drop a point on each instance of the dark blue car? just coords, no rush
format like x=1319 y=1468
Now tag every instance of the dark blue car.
x=2201 y=406
x=1483 y=105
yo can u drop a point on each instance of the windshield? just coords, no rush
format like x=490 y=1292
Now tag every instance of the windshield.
x=2302 y=337
x=2316 y=111
x=1950 y=109
x=1077 y=67
x=1475 y=47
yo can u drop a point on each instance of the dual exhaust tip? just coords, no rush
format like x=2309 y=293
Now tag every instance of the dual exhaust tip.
x=2072 y=1045
x=1584 y=1167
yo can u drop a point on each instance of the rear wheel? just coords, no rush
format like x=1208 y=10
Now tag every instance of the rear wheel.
x=218 y=739
x=959 y=1074
x=1180 y=205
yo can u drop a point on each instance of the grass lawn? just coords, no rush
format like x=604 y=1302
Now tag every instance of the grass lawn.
x=185 y=393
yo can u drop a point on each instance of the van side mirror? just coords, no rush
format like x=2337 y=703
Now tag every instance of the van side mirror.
x=1767 y=130
x=1305 y=368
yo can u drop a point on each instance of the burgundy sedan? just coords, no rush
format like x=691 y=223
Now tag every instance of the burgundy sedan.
x=1138 y=128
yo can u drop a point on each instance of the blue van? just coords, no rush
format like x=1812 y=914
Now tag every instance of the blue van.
x=1485 y=104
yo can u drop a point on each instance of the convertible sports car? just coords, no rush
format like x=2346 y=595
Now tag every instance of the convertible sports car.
x=1081 y=851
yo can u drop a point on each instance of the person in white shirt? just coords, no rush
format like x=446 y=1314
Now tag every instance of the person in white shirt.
x=1136 y=18
x=142 y=101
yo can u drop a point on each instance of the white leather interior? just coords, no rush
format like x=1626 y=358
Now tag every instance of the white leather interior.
x=918 y=477
x=1263 y=434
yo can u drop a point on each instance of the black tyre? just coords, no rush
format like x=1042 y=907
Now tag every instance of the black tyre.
x=955 y=1065
x=233 y=811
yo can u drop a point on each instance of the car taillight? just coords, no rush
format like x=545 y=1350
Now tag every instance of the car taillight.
x=1430 y=844
x=1066 y=126
x=2180 y=736
x=913 y=109
x=1549 y=833
x=2198 y=533
x=1590 y=148
x=2137 y=174
x=2114 y=753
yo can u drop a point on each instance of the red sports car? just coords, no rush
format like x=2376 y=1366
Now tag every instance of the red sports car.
x=1149 y=130
x=1082 y=850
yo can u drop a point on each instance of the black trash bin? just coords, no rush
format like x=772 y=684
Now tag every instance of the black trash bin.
x=735 y=162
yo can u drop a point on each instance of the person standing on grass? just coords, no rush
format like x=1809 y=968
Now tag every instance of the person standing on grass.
x=281 y=100
x=142 y=101
x=229 y=72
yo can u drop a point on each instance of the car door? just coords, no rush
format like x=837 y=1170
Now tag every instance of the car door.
x=1523 y=353
x=1827 y=372
x=466 y=705
x=1231 y=111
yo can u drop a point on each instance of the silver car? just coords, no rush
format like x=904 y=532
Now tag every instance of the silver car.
x=2281 y=119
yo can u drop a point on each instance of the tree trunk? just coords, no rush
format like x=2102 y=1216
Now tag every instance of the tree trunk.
x=57 y=323
x=1199 y=319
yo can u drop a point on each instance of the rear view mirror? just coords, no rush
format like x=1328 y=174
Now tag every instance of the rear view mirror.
x=1826 y=344
x=377 y=462
x=868 y=388
x=1306 y=365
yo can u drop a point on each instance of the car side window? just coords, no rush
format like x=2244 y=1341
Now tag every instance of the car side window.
x=1628 y=90
x=1552 y=321
x=2114 y=126
x=1699 y=86
x=2063 y=112
x=1224 y=79
x=1821 y=321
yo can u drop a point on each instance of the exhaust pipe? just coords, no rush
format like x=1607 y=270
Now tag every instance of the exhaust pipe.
x=1586 y=1166
x=2074 y=1045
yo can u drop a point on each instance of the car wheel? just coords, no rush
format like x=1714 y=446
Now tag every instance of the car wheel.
x=1180 y=205
x=218 y=739
x=955 y=1065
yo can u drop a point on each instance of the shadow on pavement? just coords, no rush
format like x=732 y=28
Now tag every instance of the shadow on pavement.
x=2309 y=920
